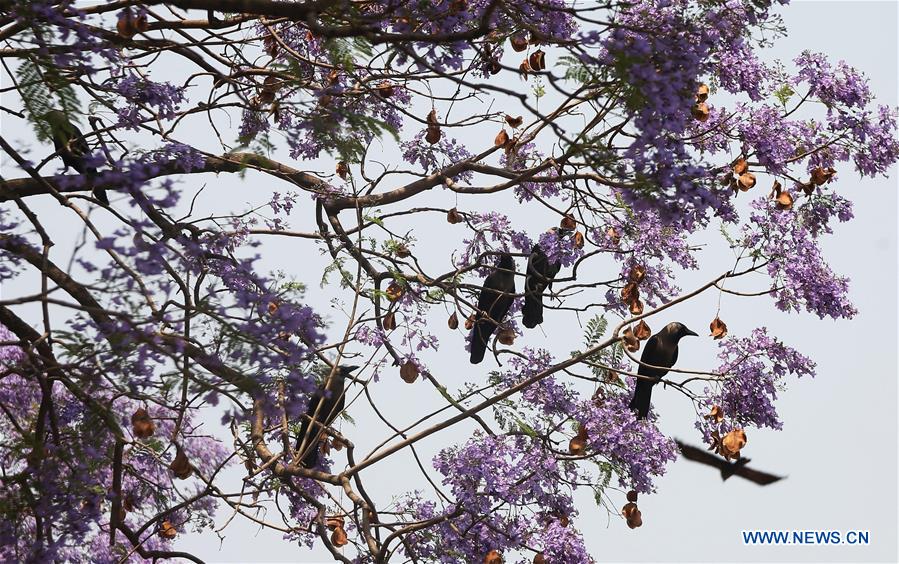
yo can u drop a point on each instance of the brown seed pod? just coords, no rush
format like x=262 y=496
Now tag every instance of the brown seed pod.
x=630 y=293
x=524 y=68
x=700 y=111
x=389 y=321
x=537 y=60
x=433 y=134
x=568 y=223
x=409 y=372
x=180 y=466
x=718 y=328
x=784 y=201
x=702 y=92
x=514 y=122
x=167 y=530
x=453 y=216
x=142 y=424
x=453 y=321
x=519 y=42
x=577 y=446
x=539 y=558
x=632 y=496
x=741 y=166
x=716 y=414
x=636 y=307
x=394 y=291
x=501 y=139
x=642 y=331
x=493 y=557
x=342 y=169
x=629 y=509
x=469 y=322
x=631 y=343
x=637 y=274
x=506 y=336
x=578 y=239
x=338 y=537
x=822 y=175
x=385 y=89
x=746 y=181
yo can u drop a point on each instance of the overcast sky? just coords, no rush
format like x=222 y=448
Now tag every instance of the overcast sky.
x=839 y=442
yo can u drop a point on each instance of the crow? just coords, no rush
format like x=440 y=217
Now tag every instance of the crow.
x=660 y=350
x=72 y=147
x=539 y=276
x=493 y=303
x=728 y=469
x=328 y=404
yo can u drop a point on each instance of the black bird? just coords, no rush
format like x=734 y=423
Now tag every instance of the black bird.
x=328 y=404
x=539 y=277
x=72 y=147
x=660 y=350
x=728 y=469
x=495 y=300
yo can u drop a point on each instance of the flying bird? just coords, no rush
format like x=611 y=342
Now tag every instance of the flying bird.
x=660 y=350
x=327 y=403
x=728 y=469
x=495 y=300
x=539 y=277
x=72 y=147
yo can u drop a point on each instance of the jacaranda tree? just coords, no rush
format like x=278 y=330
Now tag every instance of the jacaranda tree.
x=410 y=148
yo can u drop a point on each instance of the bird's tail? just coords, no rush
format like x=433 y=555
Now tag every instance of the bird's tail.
x=532 y=310
x=480 y=335
x=642 y=397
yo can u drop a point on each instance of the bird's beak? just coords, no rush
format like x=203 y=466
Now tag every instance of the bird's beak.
x=688 y=332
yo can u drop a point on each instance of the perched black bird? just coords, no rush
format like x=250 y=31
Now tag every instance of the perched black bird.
x=495 y=300
x=72 y=147
x=538 y=278
x=660 y=350
x=328 y=404
x=728 y=469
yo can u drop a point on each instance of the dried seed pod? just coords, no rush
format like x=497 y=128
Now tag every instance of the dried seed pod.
x=732 y=443
x=568 y=223
x=433 y=133
x=524 y=68
x=453 y=321
x=539 y=558
x=718 y=328
x=142 y=424
x=409 y=372
x=578 y=239
x=514 y=122
x=716 y=414
x=822 y=175
x=637 y=274
x=389 y=321
x=385 y=89
x=469 y=322
x=631 y=343
x=700 y=111
x=746 y=181
x=784 y=201
x=613 y=235
x=632 y=496
x=493 y=557
x=167 y=530
x=537 y=60
x=577 y=446
x=506 y=336
x=453 y=216
x=334 y=521
x=342 y=169
x=180 y=466
x=394 y=291
x=519 y=42
x=501 y=139
x=339 y=538
x=642 y=331
x=629 y=509
x=630 y=293
x=636 y=307
x=741 y=166
x=702 y=92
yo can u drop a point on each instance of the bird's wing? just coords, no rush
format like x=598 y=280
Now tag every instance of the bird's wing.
x=651 y=353
x=701 y=456
x=757 y=476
